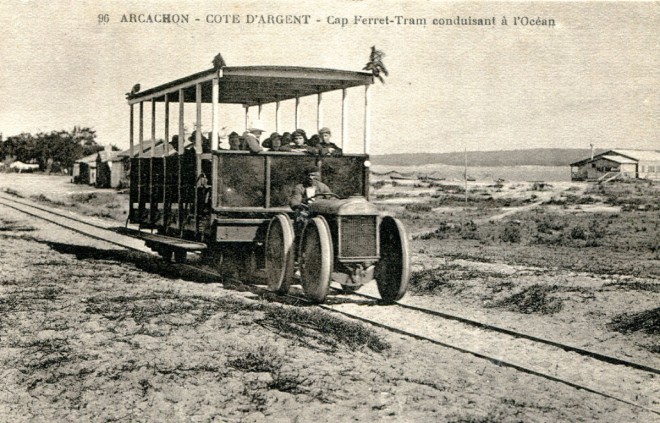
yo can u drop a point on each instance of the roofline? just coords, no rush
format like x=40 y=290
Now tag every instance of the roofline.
x=604 y=153
x=364 y=78
x=172 y=86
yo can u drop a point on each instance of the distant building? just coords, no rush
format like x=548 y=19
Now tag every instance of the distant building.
x=20 y=167
x=618 y=164
x=110 y=169
x=81 y=173
x=93 y=169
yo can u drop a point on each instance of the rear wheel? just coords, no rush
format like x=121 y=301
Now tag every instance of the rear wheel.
x=279 y=253
x=393 y=269
x=316 y=259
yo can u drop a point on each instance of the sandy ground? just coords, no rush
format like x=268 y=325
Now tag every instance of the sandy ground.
x=90 y=332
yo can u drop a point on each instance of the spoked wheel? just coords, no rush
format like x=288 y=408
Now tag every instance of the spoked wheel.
x=393 y=269
x=279 y=253
x=316 y=259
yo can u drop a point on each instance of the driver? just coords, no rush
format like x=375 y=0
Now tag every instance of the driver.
x=304 y=193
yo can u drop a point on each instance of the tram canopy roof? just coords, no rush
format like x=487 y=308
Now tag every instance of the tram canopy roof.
x=253 y=85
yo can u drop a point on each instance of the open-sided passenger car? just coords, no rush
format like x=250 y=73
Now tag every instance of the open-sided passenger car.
x=234 y=205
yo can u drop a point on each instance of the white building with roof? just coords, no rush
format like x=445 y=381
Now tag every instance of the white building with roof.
x=613 y=164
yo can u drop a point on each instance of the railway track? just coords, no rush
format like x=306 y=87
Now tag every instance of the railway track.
x=600 y=374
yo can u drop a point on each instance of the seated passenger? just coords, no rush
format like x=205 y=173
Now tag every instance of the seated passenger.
x=267 y=142
x=276 y=144
x=175 y=143
x=313 y=144
x=206 y=143
x=251 y=138
x=234 y=141
x=286 y=139
x=299 y=141
x=326 y=146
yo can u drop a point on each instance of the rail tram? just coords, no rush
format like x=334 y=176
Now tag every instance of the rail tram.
x=233 y=206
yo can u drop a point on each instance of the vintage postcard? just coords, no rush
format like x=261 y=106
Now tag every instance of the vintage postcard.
x=302 y=211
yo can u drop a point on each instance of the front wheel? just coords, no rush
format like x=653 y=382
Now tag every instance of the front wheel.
x=393 y=269
x=316 y=259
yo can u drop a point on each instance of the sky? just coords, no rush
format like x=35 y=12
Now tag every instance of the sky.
x=592 y=78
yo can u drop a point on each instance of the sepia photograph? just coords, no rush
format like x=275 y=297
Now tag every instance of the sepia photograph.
x=349 y=211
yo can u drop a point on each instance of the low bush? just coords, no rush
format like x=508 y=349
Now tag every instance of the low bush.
x=418 y=207
x=535 y=299
x=510 y=234
x=578 y=232
x=83 y=197
x=646 y=321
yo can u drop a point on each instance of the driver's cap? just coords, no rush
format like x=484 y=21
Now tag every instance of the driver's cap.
x=312 y=171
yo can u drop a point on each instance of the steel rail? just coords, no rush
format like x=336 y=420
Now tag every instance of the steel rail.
x=494 y=360
x=465 y=320
x=487 y=326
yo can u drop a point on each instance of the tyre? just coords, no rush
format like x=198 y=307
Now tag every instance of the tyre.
x=279 y=253
x=393 y=269
x=316 y=259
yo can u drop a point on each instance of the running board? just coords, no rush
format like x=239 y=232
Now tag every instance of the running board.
x=175 y=243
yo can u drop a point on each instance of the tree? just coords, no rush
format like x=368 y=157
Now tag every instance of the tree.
x=375 y=64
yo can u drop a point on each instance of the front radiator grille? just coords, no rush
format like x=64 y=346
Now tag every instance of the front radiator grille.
x=358 y=236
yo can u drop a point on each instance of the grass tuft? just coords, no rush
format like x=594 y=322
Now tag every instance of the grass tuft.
x=646 y=321
x=535 y=299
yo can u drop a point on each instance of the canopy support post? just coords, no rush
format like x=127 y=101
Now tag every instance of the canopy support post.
x=140 y=151
x=166 y=151
x=344 y=119
x=198 y=152
x=277 y=116
x=130 y=135
x=182 y=135
x=319 y=111
x=367 y=120
x=151 y=161
x=215 y=113
x=297 y=114
x=130 y=159
x=215 y=116
x=166 y=144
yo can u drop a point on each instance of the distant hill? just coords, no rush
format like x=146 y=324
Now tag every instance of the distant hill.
x=531 y=157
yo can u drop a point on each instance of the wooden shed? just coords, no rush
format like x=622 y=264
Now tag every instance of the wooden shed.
x=618 y=164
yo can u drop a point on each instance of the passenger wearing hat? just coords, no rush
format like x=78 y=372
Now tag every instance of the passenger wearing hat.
x=276 y=144
x=234 y=141
x=286 y=139
x=267 y=142
x=299 y=140
x=313 y=144
x=252 y=136
x=311 y=186
x=175 y=143
x=326 y=146
x=206 y=143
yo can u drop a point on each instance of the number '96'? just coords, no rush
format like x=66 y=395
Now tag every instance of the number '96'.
x=104 y=18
